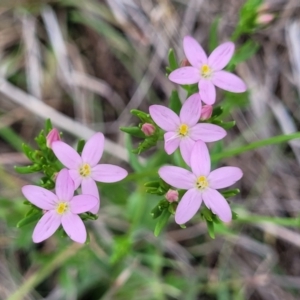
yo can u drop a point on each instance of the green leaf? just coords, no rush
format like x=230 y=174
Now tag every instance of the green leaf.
x=225 y=125
x=48 y=126
x=28 y=169
x=155 y=184
x=29 y=219
x=210 y=228
x=144 y=117
x=230 y=193
x=162 y=222
x=175 y=103
x=80 y=146
x=217 y=111
x=134 y=131
x=172 y=60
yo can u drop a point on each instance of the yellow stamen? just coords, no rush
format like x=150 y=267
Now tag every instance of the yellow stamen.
x=206 y=71
x=183 y=129
x=62 y=207
x=85 y=170
x=202 y=183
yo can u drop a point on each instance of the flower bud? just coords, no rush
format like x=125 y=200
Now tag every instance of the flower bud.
x=52 y=136
x=264 y=19
x=185 y=63
x=148 y=129
x=172 y=195
x=206 y=112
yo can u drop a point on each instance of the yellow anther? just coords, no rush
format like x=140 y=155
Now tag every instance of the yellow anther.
x=183 y=129
x=205 y=71
x=85 y=170
x=202 y=183
x=62 y=207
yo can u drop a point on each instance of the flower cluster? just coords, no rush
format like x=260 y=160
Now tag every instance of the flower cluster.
x=62 y=207
x=192 y=129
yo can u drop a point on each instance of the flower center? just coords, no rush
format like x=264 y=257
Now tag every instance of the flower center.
x=85 y=170
x=202 y=183
x=183 y=129
x=206 y=71
x=62 y=207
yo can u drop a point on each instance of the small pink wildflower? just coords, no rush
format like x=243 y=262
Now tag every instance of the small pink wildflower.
x=207 y=72
x=206 y=112
x=61 y=208
x=172 y=195
x=202 y=184
x=148 y=129
x=84 y=169
x=183 y=131
x=52 y=136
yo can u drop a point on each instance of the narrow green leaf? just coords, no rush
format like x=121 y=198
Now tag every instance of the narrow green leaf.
x=210 y=229
x=230 y=193
x=175 y=103
x=48 y=126
x=213 y=34
x=162 y=222
x=29 y=219
x=172 y=60
x=134 y=131
x=80 y=146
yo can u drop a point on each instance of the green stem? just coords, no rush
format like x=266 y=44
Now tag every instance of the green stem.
x=258 y=144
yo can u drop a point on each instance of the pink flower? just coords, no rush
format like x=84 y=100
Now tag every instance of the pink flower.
x=183 y=130
x=201 y=185
x=148 y=129
x=84 y=169
x=61 y=208
x=207 y=72
x=172 y=195
x=52 y=136
x=206 y=112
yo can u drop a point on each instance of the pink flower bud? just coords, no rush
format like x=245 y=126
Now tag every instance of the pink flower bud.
x=185 y=63
x=206 y=112
x=52 y=136
x=172 y=195
x=148 y=129
x=265 y=19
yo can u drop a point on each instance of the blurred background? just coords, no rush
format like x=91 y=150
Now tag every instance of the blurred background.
x=85 y=64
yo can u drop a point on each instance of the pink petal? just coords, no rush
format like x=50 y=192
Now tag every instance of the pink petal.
x=207 y=132
x=200 y=159
x=46 y=226
x=74 y=227
x=164 y=117
x=40 y=197
x=207 y=91
x=66 y=155
x=177 y=177
x=224 y=177
x=185 y=75
x=83 y=203
x=191 y=110
x=76 y=177
x=64 y=185
x=229 y=82
x=172 y=141
x=194 y=52
x=221 y=56
x=93 y=149
x=108 y=173
x=186 y=146
x=89 y=187
x=188 y=206
x=217 y=204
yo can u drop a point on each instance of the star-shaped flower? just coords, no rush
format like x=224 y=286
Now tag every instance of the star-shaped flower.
x=84 y=169
x=61 y=208
x=202 y=184
x=207 y=72
x=184 y=130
